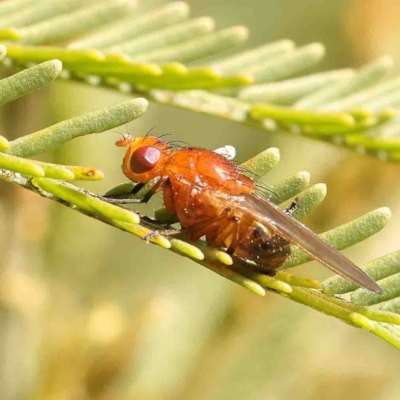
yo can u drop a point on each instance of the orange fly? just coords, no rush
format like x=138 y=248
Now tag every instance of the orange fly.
x=212 y=198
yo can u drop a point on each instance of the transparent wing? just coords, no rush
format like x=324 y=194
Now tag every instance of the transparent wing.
x=275 y=219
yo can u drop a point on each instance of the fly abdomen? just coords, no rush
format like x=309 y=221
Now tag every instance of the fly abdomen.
x=267 y=250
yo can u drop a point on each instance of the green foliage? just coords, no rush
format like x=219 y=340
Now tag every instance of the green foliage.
x=163 y=55
x=28 y=81
x=344 y=104
x=95 y=122
x=34 y=175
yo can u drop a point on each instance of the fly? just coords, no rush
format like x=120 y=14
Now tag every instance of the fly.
x=212 y=198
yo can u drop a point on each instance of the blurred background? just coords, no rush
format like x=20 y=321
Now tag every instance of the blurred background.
x=89 y=312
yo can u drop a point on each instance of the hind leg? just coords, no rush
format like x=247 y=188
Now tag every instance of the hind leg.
x=292 y=208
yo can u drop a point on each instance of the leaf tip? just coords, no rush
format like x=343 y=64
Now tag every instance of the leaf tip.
x=283 y=287
x=387 y=61
x=174 y=68
x=288 y=44
x=386 y=212
x=305 y=176
x=208 y=23
x=3 y=51
x=187 y=249
x=140 y=104
x=222 y=257
x=162 y=242
x=273 y=283
x=181 y=7
x=275 y=153
x=322 y=187
x=245 y=79
x=57 y=65
x=318 y=49
x=4 y=143
x=255 y=288
x=242 y=32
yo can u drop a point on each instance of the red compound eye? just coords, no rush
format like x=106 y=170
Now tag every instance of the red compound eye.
x=144 y=159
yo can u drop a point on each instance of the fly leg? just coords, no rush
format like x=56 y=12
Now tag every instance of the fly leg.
x=170 y=205
x=134 y=191
x=222 y=237
x=161 y=232
x=220 y=231
x=235 y=239
x=110 y=199
x=292 y=208
x=207 y=227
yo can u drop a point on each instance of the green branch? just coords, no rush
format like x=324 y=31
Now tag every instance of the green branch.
x=350 y=103
x=34 y=176
x=299 y=289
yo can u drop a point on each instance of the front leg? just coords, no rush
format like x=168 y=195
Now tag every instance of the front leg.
x=169 y=202
x=161 y=232
x=135 y=190
x=153 y=223
x=110 y=200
